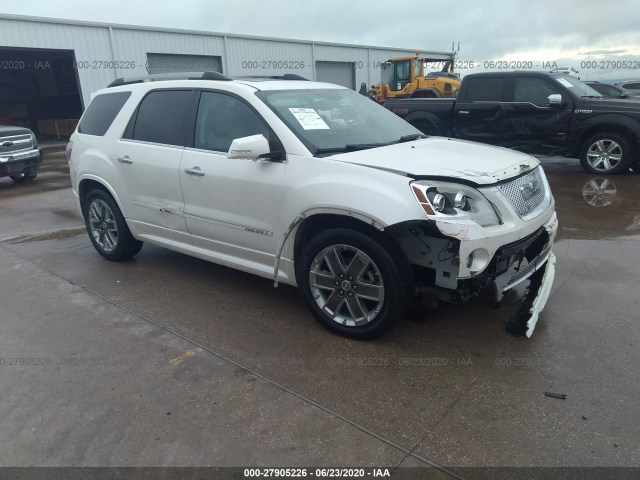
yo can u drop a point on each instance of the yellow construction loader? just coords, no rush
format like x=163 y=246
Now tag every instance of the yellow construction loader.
x=408 y=77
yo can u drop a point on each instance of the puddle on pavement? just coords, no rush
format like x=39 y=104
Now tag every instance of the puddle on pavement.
x=593 y=206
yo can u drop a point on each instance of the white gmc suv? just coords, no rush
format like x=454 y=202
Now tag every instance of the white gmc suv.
x=315 y=186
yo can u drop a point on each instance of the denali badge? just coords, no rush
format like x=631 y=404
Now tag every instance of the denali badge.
x=529 y=189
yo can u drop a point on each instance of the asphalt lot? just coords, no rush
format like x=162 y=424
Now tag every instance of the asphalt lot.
x=167 y=360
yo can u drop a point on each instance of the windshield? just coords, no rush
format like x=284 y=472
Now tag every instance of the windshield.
x=577 y=87
x=337 y=120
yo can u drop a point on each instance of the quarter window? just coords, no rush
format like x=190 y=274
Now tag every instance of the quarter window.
x=162 y=117
x=101 y=112
x=223 y=118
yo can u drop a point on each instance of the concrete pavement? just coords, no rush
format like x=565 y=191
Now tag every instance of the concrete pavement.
x=167 y=360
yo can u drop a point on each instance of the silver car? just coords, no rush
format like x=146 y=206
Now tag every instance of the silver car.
x=632 y=85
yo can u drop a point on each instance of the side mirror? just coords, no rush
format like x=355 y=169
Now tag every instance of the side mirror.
x=554 y=100
x=624 y=95
x=249 y=148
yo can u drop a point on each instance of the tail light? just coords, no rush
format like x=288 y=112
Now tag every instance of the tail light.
x=68 y=151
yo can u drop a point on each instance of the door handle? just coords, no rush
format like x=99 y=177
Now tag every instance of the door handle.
x=463 y=112
x=194 y=171
x=126 y=160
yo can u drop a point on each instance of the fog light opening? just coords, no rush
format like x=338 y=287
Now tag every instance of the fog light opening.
x=477 y=260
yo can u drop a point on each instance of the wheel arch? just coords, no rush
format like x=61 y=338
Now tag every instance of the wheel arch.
x=315 y=223
x=89 y=183
x=611 y=125
x=427 y=119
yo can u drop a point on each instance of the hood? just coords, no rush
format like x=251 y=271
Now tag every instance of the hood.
x=432 y=157
x=9 y=130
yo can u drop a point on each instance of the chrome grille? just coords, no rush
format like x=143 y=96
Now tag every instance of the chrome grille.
x=15 y=143
x=527 y=194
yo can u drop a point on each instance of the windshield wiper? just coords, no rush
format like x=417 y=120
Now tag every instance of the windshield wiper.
x=352 y=147
x=412 y=137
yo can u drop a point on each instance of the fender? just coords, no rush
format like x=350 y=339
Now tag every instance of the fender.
x=309 y=213
x=603 y=122
x=101 y=181
x=97 y=166
x=322 y=185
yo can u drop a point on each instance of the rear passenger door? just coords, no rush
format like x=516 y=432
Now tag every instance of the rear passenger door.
x=479 y=115
x=233 y=206
x=148 y=163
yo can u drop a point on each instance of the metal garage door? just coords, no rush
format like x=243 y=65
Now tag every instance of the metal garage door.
x=342 y=73
x=167 y=63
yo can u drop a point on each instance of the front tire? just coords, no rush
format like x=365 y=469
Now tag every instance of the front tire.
x=352 y=283
x=605 y=153
x=107 y=228
x=24 y=177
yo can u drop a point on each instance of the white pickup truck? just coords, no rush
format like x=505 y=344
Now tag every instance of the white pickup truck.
x=315 y=186
x=20 y=156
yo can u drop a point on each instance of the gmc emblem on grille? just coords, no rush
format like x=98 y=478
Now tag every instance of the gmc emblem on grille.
x=529 y=189
x=7 y=144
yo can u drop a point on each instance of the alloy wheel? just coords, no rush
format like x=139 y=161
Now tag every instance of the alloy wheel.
x=347 y=285
x=603 y=155
x=102 y=225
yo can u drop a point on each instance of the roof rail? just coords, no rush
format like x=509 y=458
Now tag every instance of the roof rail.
x=286 y=76
x=158 y=77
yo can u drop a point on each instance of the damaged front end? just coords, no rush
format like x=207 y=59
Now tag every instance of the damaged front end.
x=456 y=268
x=496 y=235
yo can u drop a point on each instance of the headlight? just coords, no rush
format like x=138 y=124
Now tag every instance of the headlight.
x=34 y=140
x=444 y=199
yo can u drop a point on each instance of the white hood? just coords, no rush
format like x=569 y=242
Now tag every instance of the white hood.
x=444 y=157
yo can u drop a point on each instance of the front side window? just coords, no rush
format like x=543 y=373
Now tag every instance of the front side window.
x=223 y=118
x=533 y=90
x=162 y=117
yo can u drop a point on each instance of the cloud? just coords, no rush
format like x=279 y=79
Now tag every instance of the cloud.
x=487 y=30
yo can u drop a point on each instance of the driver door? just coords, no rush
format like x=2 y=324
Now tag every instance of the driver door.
x=232 y=206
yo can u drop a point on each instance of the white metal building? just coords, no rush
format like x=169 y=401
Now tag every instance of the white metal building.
x=50 y=67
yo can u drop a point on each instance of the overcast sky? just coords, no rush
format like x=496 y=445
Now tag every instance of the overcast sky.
x=564 y=31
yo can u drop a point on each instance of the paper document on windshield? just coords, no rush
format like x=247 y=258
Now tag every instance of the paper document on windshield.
x=309 y=119
x=564 y=82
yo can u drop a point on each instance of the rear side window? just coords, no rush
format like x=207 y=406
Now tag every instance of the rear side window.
x=487 y=89
x=101 y=112
x=162 y=117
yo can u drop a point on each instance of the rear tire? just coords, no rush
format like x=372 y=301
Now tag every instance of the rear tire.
x=107 y=228
x=352 y=283
x=606 y=153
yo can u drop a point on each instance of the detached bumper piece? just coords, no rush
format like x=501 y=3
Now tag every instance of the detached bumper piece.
x=541 y=275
